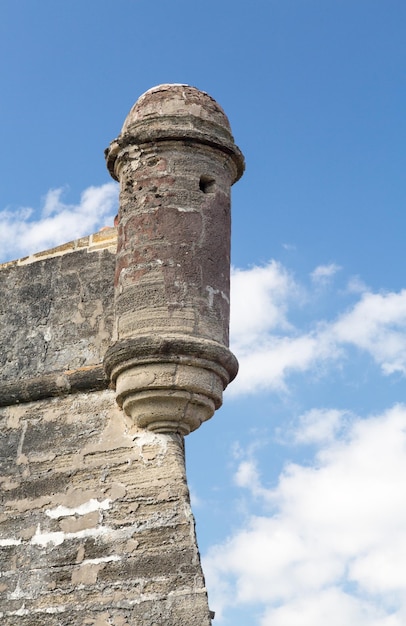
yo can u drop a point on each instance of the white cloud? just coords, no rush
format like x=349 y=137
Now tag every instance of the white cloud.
x=267 y=365
x=330 y=606
x=377 y=324
x=334 y=547
x=270 y=347
x=21 y=233
x=247 y=476
x=260 y=298
x=266 y=343
x=323 y=273
x=319 y=425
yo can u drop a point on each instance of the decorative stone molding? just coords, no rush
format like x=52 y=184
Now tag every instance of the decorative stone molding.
x=169 y=384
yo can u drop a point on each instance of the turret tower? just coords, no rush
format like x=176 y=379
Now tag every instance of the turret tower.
x=175 y=160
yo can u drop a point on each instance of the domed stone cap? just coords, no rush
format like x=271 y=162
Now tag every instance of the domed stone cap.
x=183 y=100
x=170 y=112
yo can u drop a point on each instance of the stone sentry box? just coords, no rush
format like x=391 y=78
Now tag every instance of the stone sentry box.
x=176 y=161
x=113 y=347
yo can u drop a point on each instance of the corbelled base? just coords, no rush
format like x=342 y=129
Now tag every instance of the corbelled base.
x=170 y=385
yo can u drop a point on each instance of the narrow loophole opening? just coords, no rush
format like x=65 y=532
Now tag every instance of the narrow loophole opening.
x=207 y=184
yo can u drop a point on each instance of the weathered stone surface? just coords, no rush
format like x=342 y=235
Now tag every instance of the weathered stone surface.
x=95 y=520
x=56 y=320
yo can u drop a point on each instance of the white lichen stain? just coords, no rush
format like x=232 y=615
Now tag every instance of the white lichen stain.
x=212 y=293
x=23 y=611
x=9 y=542
x=82 y=509
x=57 y=538
x=47 y=334
x=148 y=438
x=153 y=446
x=20 y=612
x=17 y=593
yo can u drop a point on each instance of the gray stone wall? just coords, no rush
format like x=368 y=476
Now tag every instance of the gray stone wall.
x=56 y=319
x=95 y=523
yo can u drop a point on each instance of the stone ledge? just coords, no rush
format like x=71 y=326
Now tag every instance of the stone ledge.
x=206 y=133
x=168 y=348
x=90 y=378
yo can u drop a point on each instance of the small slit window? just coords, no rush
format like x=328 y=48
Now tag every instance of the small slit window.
x=207 y=184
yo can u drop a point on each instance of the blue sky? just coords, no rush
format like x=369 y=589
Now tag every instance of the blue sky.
x=297 y=482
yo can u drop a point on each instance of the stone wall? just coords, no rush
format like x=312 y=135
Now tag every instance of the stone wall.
x=56 y=318
x=95 y=520
x=95 y=526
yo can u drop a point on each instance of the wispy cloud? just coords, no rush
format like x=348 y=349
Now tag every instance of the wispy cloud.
x=324 y=273
x=21 y=232
x=356 y=285
x=334 y=546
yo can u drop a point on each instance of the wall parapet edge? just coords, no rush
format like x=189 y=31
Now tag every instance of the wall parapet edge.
x=105 y=239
